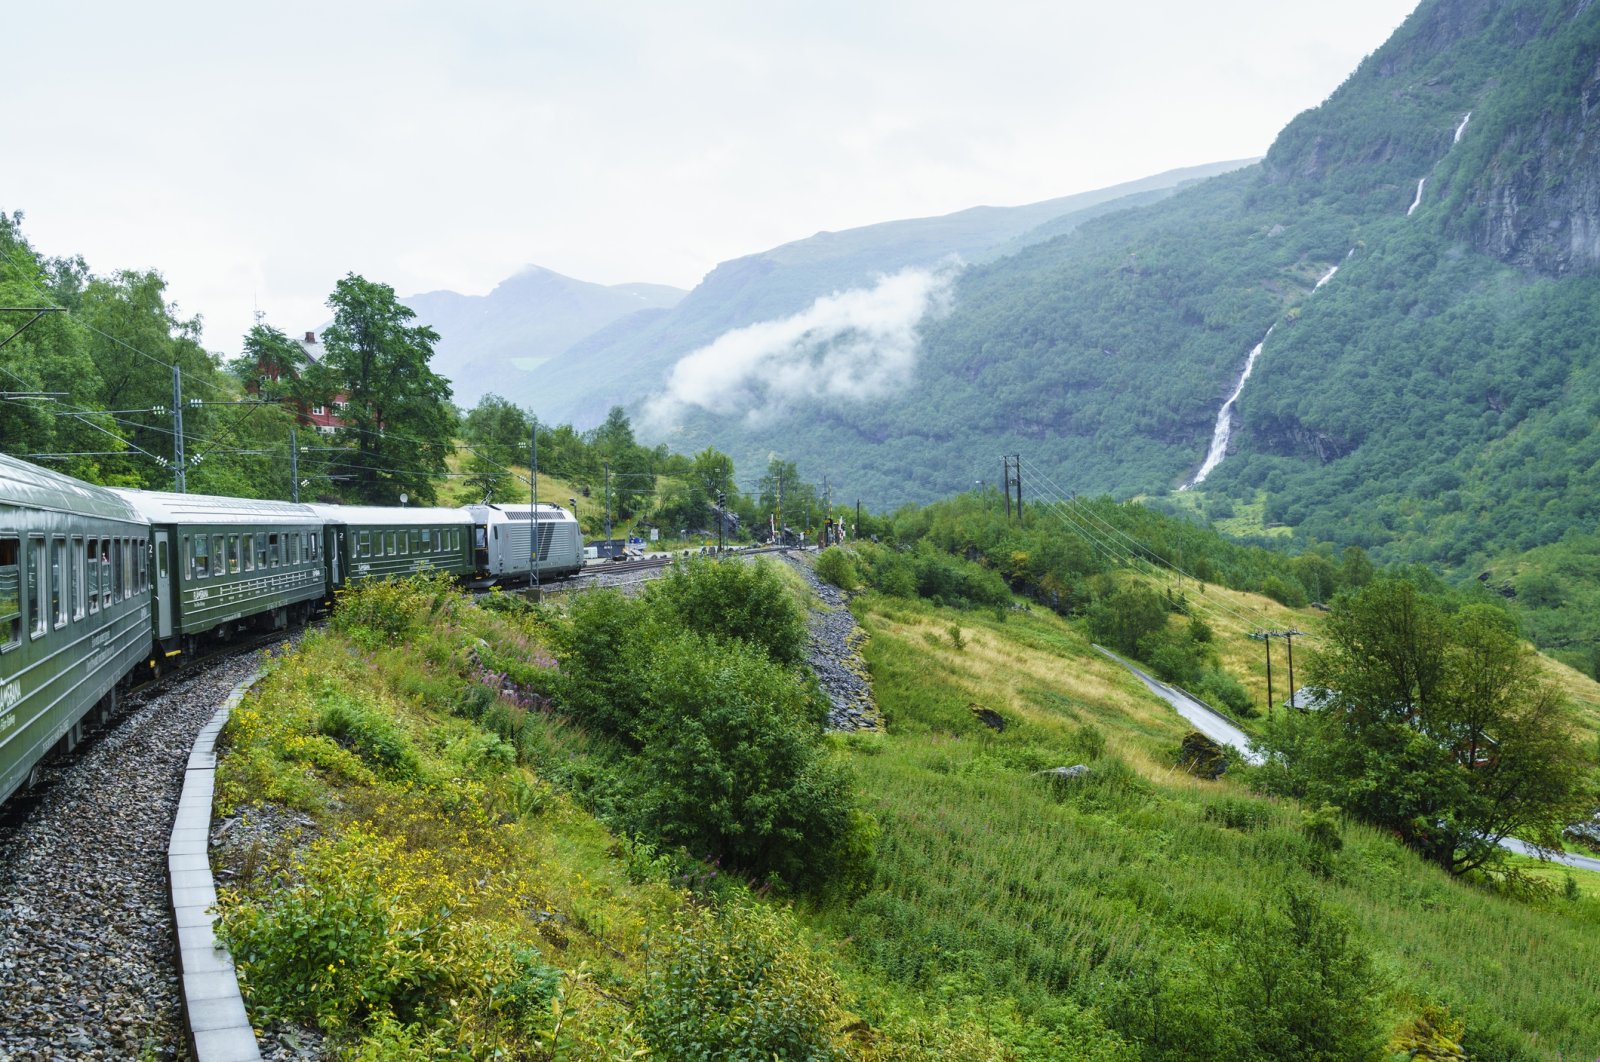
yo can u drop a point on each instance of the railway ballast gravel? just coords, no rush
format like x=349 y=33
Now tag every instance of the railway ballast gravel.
x=87 y=968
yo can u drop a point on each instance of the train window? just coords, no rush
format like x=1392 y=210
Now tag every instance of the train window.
x=10 y=592
x=201 y=556
x=105 y=572
x=161 y=562
x=401 y=538
x=219 y=554
x=58 y=580
x=294 y=547
x=275 y=549
x=233 y=554
x=93 y=573
x=119 y=582
x=141 y=556
x=248 y=553
x=390 y=539
x=412 y=535
x=427 y=540
x=37 y=579
x=364 y=544
x=311 y=546
x=80 y=599
x=261 y=553
x=480 y=537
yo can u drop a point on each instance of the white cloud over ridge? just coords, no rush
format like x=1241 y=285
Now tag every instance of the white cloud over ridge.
x=851 y=346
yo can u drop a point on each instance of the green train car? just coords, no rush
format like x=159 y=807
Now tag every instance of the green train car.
x=375 y=542
x=74 y=610
x=227 y=565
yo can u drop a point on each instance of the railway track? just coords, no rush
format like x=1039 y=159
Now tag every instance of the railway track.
x=87 y=942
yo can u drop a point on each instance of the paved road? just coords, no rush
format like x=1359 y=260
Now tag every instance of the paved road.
x=1223 y=732
x=1204 y=719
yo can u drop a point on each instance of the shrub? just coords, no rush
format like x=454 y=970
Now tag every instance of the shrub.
x=602 y=657
x=738 y=985
x=837 y=566
x=1219 y=687
x=735 y=769
x=734 y=599
x=370 y=734
x=384 y=612
x=1127 y=615
x=1305 y=989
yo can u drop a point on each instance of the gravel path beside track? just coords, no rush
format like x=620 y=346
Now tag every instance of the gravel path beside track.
x=86 y=937
x=834 y=652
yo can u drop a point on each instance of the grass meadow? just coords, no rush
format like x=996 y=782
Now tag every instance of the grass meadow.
x=1128 y=891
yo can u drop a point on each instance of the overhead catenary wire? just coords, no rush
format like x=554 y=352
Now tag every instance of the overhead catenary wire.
x=1083 y=519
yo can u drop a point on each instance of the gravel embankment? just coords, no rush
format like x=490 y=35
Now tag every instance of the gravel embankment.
x=834 y=653
x=87 y=969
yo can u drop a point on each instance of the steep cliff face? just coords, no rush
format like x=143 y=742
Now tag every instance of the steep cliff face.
x=1540 y=196
x=1526 y=189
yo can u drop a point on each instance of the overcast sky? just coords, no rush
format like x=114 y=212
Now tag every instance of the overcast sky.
x=254 y=154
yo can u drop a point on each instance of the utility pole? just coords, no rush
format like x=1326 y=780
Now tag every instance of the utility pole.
x=854 y=531
x=177 y=432
x=1017 y=461
x=783 y=536
x=608 y=503
x=533 y=516
x=294 y=469
x=1289 y=637
x=1005 y=485
x=720 y=503
x=1266 y=639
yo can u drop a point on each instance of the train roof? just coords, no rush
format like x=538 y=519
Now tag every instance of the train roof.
x=165 y=507
x=520 y=512
x=33 y=487
x=390 y=516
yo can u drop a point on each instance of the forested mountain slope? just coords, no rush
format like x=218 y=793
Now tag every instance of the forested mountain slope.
x=1434 y=400
x=625 y=361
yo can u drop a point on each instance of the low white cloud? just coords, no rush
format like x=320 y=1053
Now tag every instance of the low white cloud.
x=851 y=346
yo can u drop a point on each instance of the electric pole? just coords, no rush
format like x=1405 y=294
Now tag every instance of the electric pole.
x=533 y=516
x=783 y=536
x=1005 y=485
x=177 y=432
x=294 y=469
x=1016 y=460
x=1289 y=637
x=608 y=504
x=1266 y=639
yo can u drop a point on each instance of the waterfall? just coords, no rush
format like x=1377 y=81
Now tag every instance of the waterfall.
x=1418 y=200
x=1465 y=118
x=1219 y=434
x=1329 y=274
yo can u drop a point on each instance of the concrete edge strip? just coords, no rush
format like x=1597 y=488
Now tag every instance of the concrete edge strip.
x=218 y=1027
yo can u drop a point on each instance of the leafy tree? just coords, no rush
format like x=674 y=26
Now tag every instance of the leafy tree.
x=1441 y=728
x=632 y=477
x=498 y=433
x=398 y=422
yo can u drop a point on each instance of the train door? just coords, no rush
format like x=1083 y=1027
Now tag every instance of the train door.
x=333 y=546
x=163 y=598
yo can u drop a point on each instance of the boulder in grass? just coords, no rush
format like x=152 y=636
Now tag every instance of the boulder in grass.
x=1201 y=756
x=1065 y=774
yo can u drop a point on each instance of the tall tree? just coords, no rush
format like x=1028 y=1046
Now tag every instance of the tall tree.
x=398 y=421
x=1440 y=728
x=632 y=477
x=497 y=431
